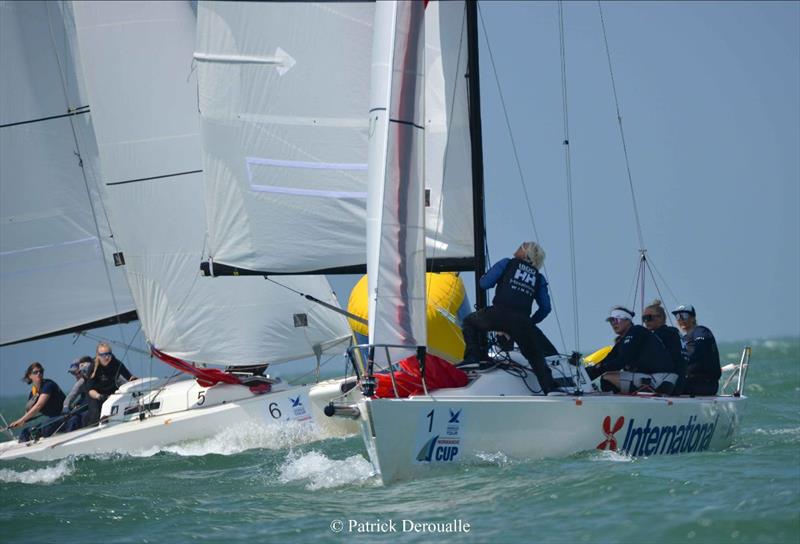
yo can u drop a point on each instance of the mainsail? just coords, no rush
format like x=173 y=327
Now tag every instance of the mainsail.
x=57 y=271
x=284 y=102
x=138 y=69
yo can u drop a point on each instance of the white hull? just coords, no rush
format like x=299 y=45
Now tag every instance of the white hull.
x=186 y=411
x=408 y=438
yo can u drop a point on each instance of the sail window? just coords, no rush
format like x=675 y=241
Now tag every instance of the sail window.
x=301 y=320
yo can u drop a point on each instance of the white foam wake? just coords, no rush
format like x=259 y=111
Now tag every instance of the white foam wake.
x=46 y=475
x=610 y=455
x=241 y=437
x=322 y=472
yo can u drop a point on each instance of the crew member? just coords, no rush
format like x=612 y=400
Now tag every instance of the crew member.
x=704 y=369
x=103 y=380
x=638 y=361
x=654 y=319
x=46 y=398
x=519 y=283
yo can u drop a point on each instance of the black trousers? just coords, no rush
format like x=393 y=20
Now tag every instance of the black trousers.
x=518 y=327
x=700 y=386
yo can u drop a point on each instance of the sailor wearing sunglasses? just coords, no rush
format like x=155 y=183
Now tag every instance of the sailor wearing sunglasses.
x=704 y=367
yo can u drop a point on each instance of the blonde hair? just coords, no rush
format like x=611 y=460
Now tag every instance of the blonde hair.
x=96 y=360
x=534 y=253
x=658 y=308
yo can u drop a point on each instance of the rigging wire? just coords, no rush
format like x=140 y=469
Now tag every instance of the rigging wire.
x=519 y=165
x=568 y=167
x=621 y=130
x=63 y=80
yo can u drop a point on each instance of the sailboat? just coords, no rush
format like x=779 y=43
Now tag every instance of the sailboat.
x=132 y=63
x=424 y=145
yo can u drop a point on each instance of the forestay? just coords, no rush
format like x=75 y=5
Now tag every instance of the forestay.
x=138 y=68
x=56 y=257
x=284 y=103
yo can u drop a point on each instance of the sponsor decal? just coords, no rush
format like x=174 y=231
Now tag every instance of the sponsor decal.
x=298 y=408
x=439 y=437
x=650 y=439
x=610 y=443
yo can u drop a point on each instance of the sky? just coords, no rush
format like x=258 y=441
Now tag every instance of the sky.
x=709 y=93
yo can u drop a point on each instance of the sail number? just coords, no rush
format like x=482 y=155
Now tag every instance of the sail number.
x=274 y=411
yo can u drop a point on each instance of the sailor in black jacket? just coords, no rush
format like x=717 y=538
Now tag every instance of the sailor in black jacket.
x=638 y=361
x=704 y=369
x=654 y=319
x=103 y=380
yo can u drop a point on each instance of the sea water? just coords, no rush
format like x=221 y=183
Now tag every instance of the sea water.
x=251 y=484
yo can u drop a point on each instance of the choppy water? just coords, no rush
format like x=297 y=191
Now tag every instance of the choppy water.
x=250 y=484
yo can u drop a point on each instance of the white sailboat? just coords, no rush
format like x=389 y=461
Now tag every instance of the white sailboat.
x=496 y=412
x=133 y=63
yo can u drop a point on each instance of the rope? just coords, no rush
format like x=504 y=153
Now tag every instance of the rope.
x=621 y=131
x=519 y=166
x=568 y=167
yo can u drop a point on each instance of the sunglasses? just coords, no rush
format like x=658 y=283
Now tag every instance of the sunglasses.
x=35 y=372
x=615 y=320
x=683 y=316
x=648 y=317
x=104 y=354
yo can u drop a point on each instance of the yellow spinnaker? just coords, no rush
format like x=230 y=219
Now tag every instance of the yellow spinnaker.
x=445 y=295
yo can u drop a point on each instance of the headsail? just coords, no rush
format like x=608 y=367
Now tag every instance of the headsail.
x=395 y=218
x=57 y=272
x=284 y=101
x=137 y=64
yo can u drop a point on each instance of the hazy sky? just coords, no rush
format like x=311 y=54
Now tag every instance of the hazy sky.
x=710 y=98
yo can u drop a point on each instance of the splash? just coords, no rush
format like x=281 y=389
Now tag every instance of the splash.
x=497 y=458
x=242 y=437
x=321 y=472
x=47 y=475
x=610 y=455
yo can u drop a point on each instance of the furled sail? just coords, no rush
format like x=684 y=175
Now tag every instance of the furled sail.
x=395 y=218
x=138 y=68
x=57 y=271
x=284 y=102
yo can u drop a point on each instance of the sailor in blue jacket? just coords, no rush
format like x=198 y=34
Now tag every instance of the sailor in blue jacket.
x=704 y=367
x=518 y=284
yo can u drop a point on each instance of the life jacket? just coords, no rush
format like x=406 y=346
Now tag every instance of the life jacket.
x=517 y=287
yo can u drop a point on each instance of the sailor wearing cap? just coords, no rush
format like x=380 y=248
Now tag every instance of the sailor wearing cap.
x=638 y=362
x=80 y=369
x=704 y=367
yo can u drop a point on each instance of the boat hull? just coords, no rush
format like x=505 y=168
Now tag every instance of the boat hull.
x=188 y=412
x=407 y=438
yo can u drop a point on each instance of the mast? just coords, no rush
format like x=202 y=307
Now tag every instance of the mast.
x=479 y=228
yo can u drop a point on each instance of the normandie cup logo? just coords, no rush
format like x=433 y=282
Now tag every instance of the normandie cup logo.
x=610 y=443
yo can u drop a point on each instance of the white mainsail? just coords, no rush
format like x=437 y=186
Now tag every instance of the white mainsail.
x=57 y=272
x=395 y=218
x=138 y=68
x=284 y=102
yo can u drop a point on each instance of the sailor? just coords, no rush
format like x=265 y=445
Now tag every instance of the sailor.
x=654 y=318
x=46 y=398
x=704 y=369
x=103 y=380
x=75 y=403
x=519 y=283
x=638 y=361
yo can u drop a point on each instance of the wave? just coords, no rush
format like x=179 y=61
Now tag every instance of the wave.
x=47 y=475
x=610 y=455
x=322 y=472
x=242 y=437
